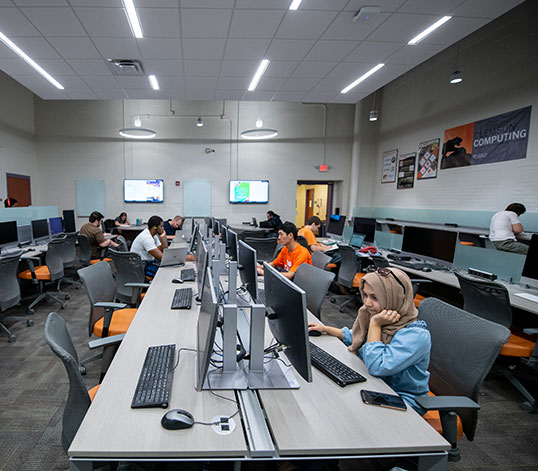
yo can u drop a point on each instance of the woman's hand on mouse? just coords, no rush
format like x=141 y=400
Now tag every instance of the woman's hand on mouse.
x=334 y=331
x=385 y=317
x=318 y=327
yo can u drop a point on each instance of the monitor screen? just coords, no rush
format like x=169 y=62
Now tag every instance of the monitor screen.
x=231 y=245
x=433 y=244
x=192 y=246
x=289 y=324
x=223 y=234
x=56 y=226
x=357 y=240
x=8 y=233
x=248 y=269
x=69 y=220
x=143 y=191
x=336 y=224
x=216 y=227
x=249 y=191
x=40 y=229
x=25 y=234
x=529 y=276
x=365 y=226
x=207 y=326
x=201 y=263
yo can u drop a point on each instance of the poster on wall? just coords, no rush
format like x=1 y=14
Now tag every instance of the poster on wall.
x=406 y=171
x=428 y=157
x=389 y=166
x=497 y=139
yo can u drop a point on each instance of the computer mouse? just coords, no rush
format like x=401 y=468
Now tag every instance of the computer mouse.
x=177 y=280
x=181 y=264
x=314 y=333
x=426 y=269
x=177 y=419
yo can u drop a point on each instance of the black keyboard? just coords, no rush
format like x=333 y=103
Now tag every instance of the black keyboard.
x=182 y=298
x=261 y=296
x=341 y=374
x=411 y=264
x=188 y=274
x=155 y=381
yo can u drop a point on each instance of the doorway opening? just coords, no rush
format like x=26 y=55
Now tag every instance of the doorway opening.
x=313 y=198
x=19 y=187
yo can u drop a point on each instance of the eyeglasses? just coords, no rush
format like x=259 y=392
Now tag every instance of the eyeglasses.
x=383 y=271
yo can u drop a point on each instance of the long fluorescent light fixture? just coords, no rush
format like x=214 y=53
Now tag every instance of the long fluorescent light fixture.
x=17 y=50
x=132 y=16
x=153 y=82
x=258 y=75
x=362 y=78
x=295 y=4
x=429 y=30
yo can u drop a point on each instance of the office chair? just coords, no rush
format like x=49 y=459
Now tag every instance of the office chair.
x=130 y=277
x=264 y=248
x=123 y=244
x=491 y=301
x=68 y=253
x=464 y=348
x=320 y=260
x=109 y=226
x=10 y=292
x=85 y=252
x=51 y=272
x=251 y=235
x=315 y=282
x=107 y=318
x=349 y=275
x=302 y=240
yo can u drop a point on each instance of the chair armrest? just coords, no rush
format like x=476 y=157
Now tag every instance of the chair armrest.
x=32 y=259
x=420 y=280
x=446 y=403
x=111 y=305
x=104 y=342
x=136 y=285
x=531 y=331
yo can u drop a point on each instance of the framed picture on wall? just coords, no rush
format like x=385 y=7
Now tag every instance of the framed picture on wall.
x=428 y=159
x=388 y=174
x=406 y=171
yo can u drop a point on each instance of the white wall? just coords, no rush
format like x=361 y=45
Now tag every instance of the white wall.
x=500 y=69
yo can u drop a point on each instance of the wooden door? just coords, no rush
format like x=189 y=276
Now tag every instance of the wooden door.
x=18 y=187
x=309 y=205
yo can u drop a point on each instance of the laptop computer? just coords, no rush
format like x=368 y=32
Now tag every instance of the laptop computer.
x=174 y=256
x=357 y=240
x=254 y=222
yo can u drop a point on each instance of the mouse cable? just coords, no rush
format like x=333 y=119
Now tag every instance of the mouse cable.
x=225 y=419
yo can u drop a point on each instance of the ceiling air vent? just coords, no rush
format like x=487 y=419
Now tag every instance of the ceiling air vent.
x=129 y=67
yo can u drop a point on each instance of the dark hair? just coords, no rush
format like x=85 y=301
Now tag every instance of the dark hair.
x=517 y=208
x=154 y=221
x=122 y=214
x=289 y=228
x=272 y=214
x=313 y=220
x=9 y=202
x=95 y=216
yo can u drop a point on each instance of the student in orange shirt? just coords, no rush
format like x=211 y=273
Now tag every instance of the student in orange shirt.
x=292 y=254
x=313 y=225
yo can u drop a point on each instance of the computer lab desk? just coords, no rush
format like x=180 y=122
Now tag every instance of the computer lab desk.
x=319 y=420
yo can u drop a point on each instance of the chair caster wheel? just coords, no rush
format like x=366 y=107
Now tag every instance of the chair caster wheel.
x=526 y=407
x=12 y=338
x=29 y=322
x=67 y=296
x=62 y=306
x=30 y=311
x=333 y=300
x=341 y=309
x=82 y=370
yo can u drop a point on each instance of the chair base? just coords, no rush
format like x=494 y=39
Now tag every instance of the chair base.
x=46 y=295
x=355 y=297
x=529 y=405
x=12 y=337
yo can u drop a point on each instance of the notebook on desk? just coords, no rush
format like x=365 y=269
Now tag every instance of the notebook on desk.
x=174 y=256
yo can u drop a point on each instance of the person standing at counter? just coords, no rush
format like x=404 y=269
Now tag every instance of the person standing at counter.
x=505 y=226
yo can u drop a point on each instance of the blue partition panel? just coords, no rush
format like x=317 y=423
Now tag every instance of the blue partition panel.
x=24 y=215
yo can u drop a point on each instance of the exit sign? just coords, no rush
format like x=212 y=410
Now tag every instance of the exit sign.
x=323 y=168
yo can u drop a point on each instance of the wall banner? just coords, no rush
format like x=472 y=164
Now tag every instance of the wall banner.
x=497 y=139
x=406 y=171
x=428 y=156
x=389 y=166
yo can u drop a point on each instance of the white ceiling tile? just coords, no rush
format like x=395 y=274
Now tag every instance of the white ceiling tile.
x=6 y=3
x=413 y=55
x=333 y=5
x=81 y=94
x=386 y=5
x=229 y=94
x=89 y=66
x=101 y=81
x=40 y=86
x=372 y=51
x=110 y=93
x=37 y=48
x=313 y=69
x=41 y=3
x=118 y=48
x=160 y=48
x=333 y=85
x=297 y=84
x=244 y=49
x=202 y=82
x=144 y=94
x=13 y=23
x=156 y=3
x=403 y=27
x=238 y=68
x=234 y=83
x=222 y=4
x=205 y=23
x=202 y=68
x=255 y=23
x=159 y=22
x=318 y=96
x=6 y=52
x=56 y=67
x=96 y=3
x=304 y=24
x=349 y=70
x=171 y=82
x=438 y=7
x=280 y=68
x=71 y=82
x=133 y=82
x=55 y=21
x=485 y=8
x=457 y=28
x=330 y=50
x=75 y=48
x=258 y=96
x=203 y=49
x=105 y=22
x=270 y=83
x=289 y=96
x=274 y=4
x=163 y=67
x=14 y=67
x=344 y=28
x=289 y=49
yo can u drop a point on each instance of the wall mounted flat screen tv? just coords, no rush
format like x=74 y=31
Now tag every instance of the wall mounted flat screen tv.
x=143 y=191
x=249 y=191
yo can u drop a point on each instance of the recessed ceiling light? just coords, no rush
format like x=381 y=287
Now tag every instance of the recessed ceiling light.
x=258 y=75
x=373 y=70
x=153 y=82
x=295 y=4
x=17 y=50
x=428 y=31
x=132 y=16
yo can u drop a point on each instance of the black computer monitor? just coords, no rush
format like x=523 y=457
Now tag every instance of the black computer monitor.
x=192 y=246
x=201 y=264
x=207 y=327
x=336 y=225
x=288 y=320
x=529 y=276
x=40 y=229
x=223 y=234
x=231 y=245
x=430 y=244
x=69 y=220
x=24 y=234
x=248 y=268
x=365 y=226
x=56 y=226
x=208 y=222
x=8 y=233
x=216 y=227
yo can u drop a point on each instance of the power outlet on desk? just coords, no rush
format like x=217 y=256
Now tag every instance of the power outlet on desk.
x=223 y=425
x=482 y=274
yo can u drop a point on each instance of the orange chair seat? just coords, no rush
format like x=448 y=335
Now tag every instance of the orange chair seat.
x=121 y=320
x=330 y=265
x=142 y=296
x=517 y=347
x=464 y=242
x=97 y=260
x=357 y=279
x=42 y=273
x=93 y=391
x=418 y=299
x=434 y=419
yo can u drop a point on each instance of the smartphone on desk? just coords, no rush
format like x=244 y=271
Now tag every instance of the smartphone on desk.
x=390 y=401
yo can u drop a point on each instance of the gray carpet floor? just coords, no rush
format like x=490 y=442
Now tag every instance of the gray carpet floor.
x=34 y=386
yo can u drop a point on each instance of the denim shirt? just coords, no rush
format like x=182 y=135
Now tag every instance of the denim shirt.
x=403 y=363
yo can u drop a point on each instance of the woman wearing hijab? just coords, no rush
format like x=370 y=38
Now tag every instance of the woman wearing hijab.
x=386 y=334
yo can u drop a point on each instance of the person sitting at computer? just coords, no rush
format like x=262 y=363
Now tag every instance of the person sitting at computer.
x=10 y=202
x=172 y=225
x=292 y=254
x=121 y=220
x=273 y=221
x=92 y=230
x=150 y=244
x=386 y=334
x=505 y=226
x=313 y=225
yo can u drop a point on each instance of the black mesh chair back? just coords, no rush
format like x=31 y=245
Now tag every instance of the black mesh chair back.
x=315 y=282
x=264 y=248
x=100 y=287
x=69 y=249
x=84 y=250
x=53 y=259
x=348 y=267
x=464 y=348
x=78 y=401
x=129 y=269
x=109 y=225
x=10 y=292
x=302 y=240
x=486 y=299
x=320 y=259
x=123 y=244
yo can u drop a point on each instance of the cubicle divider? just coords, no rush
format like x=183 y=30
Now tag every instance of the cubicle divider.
x=25 y=215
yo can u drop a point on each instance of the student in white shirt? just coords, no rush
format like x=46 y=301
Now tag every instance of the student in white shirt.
x=150 y=244
x=505 y=226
